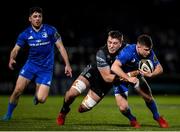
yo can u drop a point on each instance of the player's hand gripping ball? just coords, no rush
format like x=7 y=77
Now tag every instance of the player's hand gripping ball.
x=146 y=65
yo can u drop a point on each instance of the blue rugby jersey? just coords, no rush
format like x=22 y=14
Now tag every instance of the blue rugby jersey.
x=41 y=45
x=130 y=58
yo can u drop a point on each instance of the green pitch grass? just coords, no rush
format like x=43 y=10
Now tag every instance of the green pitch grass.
x=104 y=117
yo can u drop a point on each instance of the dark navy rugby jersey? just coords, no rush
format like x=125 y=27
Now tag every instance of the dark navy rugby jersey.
x=104 y=58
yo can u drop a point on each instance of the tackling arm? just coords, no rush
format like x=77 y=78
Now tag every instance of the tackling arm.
x=106 y=74
x=131 y=74
x=116 y=68
x=109 y=77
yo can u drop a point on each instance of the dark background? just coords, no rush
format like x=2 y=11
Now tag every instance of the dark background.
x=83 y=26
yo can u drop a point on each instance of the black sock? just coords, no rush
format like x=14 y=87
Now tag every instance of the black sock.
x=36 y=101
x=65 y=109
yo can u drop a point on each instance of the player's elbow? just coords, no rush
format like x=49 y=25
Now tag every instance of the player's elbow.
x=160 y=69
x=113 y=68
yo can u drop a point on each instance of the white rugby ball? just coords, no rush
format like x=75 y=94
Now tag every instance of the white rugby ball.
x=146 y=65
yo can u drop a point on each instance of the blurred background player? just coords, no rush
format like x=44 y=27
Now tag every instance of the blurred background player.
x=128 y=60
x=41 y=38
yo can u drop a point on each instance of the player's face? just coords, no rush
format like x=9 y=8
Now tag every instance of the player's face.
x=113 y=44
x=36 y=20
x=144 y=51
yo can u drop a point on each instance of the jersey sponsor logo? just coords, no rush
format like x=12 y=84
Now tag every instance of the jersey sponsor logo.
x=101 y=61
x=88 y=75
x=39 y=44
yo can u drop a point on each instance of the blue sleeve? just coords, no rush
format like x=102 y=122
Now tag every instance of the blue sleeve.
x=154 y=59
x=55 y=35
x=124 y=56
x=21 y=40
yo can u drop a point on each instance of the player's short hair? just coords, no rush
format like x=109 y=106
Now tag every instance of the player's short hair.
x=35 y=9
x=116 y=34
x=145 y=40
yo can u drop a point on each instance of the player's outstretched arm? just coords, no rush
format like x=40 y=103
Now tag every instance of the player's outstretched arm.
x=130 y=74
x=116 y=68
x=13 y=55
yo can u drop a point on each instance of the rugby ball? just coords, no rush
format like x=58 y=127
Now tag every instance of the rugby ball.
x=146 y=65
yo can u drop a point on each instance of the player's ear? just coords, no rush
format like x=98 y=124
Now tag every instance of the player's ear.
x=30 y=19
x=138 y=44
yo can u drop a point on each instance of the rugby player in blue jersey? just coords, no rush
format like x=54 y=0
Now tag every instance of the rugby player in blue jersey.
x=127 y=60
x=96 y=78
x=41 y=38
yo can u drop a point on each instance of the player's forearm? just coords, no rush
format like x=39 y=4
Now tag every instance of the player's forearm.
x=133 y=73
x=65 y=57
x=110 y=78
x=130 y=74
x=118 y=71
x=63 y=52
x=13 y=54
x=158 y=70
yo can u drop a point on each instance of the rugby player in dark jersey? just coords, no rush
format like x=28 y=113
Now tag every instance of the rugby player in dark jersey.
x=97 y=78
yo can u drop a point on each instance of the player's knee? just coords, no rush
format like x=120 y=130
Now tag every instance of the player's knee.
x=79 y=85
x=87 y=104
x=71 y=94
x=17 y=92
x=123 y=108
x=82 y=108
x=71 y=97
x=148 y=99
x=41 y=100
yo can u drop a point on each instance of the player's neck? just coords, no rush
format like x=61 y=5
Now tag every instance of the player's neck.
x=37 y=28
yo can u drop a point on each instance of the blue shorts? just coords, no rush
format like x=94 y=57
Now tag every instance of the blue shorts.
x=36 y=73
x=124 y=86
x=121 y=89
